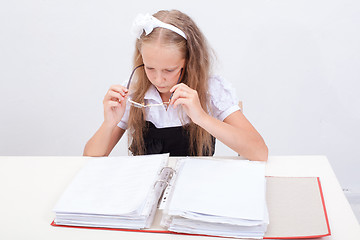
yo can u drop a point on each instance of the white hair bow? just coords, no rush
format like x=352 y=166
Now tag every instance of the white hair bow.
x=147 y=23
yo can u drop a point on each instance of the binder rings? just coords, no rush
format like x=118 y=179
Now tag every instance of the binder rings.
x=296 y=206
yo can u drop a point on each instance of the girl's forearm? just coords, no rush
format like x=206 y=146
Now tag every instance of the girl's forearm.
x=98 y=145
x=246 y=141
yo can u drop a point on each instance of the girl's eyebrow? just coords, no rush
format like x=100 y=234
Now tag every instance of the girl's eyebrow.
x=167 y=68
x=170 y=68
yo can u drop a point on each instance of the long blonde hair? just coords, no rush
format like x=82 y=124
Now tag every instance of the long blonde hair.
x=195 y=74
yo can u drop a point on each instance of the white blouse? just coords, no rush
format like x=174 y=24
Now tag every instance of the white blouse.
x=223 y=102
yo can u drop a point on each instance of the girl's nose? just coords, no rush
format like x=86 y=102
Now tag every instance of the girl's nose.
x=159 y=76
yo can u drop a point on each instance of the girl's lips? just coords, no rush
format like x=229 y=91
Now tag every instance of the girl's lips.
x=161 y=87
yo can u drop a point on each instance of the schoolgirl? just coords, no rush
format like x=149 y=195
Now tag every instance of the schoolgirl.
x=172 y=103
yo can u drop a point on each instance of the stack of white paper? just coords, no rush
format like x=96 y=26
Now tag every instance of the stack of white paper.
x=219 y=198
x=114 y=192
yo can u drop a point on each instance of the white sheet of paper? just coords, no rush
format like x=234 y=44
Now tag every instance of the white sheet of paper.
x=228 y=188
x=112 y=185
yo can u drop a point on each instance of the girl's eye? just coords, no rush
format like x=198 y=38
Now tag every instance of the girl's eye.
x=149 y=68
x=169 y=70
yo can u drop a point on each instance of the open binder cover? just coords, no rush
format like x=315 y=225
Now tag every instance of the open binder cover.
x=296 y=208
x=295 y=204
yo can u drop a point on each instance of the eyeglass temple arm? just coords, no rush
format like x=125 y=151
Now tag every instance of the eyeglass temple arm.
x=132 y=73
x=181 y=71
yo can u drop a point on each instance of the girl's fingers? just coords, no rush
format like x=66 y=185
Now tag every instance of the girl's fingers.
x=113 y=104
x=113 y=95
x=179 y=86
x=120 y=89
x=175 y=96
x=181 y=93
x=180 y=101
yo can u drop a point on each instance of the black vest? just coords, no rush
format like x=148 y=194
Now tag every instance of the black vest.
x=173 y=140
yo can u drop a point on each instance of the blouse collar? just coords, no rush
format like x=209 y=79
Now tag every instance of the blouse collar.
x=153 y=94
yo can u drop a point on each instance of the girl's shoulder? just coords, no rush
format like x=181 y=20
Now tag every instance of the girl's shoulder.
x=223 y=96
x=219 y=87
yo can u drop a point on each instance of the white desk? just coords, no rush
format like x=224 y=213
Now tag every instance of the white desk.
x=30 y=187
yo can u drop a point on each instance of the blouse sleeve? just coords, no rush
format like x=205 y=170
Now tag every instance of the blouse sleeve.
x=124 y=121
x=223 y=98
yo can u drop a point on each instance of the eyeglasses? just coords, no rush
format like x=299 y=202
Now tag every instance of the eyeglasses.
x=142 y=105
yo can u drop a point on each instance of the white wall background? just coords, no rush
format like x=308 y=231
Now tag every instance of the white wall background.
x=295 y=65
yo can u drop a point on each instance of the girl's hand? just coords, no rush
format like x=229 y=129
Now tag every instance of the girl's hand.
x=114 y=104
x=188 y=98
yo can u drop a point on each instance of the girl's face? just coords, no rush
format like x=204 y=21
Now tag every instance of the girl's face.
x=162 y=64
